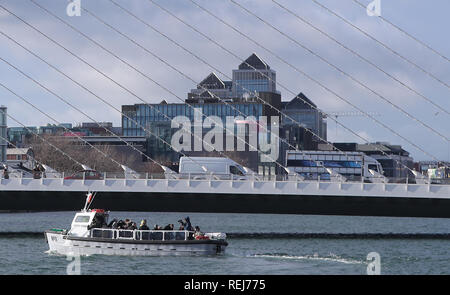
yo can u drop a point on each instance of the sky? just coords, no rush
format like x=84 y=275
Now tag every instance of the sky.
x=426 y=20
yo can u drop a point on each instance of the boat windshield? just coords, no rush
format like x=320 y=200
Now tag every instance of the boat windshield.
x=82 y=219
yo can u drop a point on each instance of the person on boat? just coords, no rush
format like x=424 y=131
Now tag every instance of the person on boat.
x=112 y=223
x=157 y=227
x=132 y=225
x=182 y=224
x=97 y=222
x=188 y=225
x=198 y=234
x=118 y=224
x=168 y=227
x=143 y=225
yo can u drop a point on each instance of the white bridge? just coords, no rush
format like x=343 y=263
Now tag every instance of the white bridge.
x=236 y=187
x=282 y=196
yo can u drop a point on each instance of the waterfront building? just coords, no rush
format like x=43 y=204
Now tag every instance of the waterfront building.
x=209 y=89
x=157 y=119
x=253 y=75
x=301 y=110
x=21 y=136
x=393 y=158
x=435 y=170
x=249 y=94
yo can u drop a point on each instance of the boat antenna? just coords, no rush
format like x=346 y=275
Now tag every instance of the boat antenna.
x=89 y=198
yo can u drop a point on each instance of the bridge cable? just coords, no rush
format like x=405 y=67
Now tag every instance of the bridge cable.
x=299 y=71
x=71 y=105
x=305 y=101
x=41 y=137
x=134 y=121
x=351 y=77
x=361 y=57
x=227 y=76
x=406 y=33
x=146 y=76
x=384 y=45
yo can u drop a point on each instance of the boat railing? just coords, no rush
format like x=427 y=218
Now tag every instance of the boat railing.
x=141 y=235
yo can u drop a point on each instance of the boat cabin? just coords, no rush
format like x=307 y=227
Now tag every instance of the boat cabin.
x=85 y=220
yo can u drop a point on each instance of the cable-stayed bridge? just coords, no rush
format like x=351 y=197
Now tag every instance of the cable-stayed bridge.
x=215 y=195
x=242 y=196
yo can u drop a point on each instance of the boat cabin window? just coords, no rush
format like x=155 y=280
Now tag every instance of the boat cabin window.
x=235 y=170
x=82 y=219
x=373 y=167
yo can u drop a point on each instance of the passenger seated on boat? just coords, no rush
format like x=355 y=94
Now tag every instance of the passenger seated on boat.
x=168 y=227
x=132 y=226
x=112 y=223
x=157 y=227
x=182 y=224
x=198 y=235
x=143 y=225
x=118 y=224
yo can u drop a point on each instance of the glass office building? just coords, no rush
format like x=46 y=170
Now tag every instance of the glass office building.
x=301 y=110
x=251 y=93
x=156 y=119
x=253 y=75
x=148 y=115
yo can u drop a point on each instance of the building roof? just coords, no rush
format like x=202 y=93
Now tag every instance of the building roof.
x=385 y=147
x=17 y=151
x=211 y=82
x=300 y=102
x=254 y=62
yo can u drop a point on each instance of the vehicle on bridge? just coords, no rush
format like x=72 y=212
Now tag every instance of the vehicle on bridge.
x=218 y=167
x=86 y=174
x=90 y=234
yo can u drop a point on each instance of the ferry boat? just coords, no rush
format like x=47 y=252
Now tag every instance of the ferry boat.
x=85 y=238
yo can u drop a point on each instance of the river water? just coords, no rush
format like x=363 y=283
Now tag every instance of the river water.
x=249 y=252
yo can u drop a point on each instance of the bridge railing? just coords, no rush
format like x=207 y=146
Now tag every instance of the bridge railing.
x=219 y=177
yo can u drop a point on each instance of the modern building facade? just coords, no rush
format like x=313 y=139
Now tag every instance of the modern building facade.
x=21 y=136
x=253 y=76
x=157 y=121
x=3 y=134
x=393 y=158
x=250 y=95
x=210 y=89
x=301 y=110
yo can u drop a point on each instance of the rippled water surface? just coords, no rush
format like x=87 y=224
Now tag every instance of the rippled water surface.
x=248 y=254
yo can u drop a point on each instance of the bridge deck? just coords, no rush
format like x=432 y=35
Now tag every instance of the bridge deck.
x=288 y=197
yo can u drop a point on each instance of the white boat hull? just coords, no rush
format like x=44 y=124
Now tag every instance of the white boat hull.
x=64 y=245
